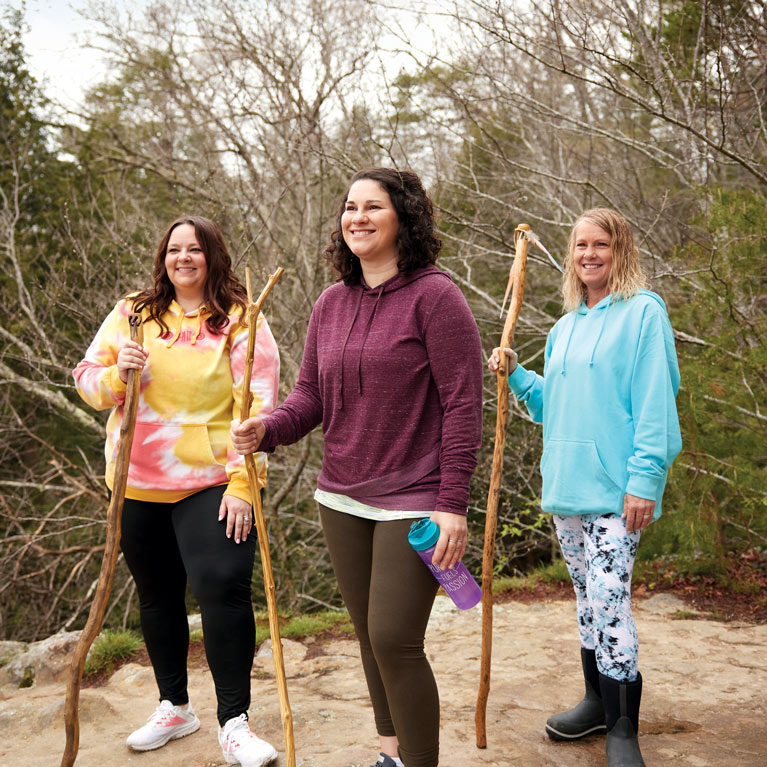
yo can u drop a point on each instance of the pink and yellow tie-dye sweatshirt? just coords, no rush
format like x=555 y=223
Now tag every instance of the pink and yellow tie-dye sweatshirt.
x=190 y=391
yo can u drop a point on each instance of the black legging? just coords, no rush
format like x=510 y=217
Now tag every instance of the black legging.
x=389 y=594
x=166 y=543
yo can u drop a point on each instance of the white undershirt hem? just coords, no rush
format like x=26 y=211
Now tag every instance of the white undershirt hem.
x=349 y=506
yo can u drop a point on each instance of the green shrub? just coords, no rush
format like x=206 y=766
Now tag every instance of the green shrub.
x=310 y=624
x=316 y=623
x=110 y=649
x=555 y=572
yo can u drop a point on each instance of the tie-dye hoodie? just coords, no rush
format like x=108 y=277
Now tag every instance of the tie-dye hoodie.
x=190 y=391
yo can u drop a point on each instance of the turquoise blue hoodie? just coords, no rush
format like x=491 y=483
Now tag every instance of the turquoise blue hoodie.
x=607 y=403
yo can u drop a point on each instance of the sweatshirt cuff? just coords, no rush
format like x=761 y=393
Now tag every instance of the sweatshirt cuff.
x=451 y=510
x=235 y=489
x=239 y=488
x=521 y=380
x=116 y=385
x=267 y=443
x=239 y=482
x=643 y=486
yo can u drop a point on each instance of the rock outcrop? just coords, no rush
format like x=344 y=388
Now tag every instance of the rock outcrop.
x=704 y=703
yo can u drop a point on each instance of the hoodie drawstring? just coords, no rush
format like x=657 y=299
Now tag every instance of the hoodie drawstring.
x=177 y=332
x=599 y=336
x=346 y=341
x=199 y=327
x=603 y=321
x=567 y=345
x=365 y=338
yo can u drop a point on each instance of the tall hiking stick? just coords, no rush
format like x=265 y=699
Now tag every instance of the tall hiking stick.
x=263 y=540
x=517 y=285
x=111 y=552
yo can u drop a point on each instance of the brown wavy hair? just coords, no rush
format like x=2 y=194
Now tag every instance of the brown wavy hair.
x=222 y=290
x=417 y=241
x=626 y=275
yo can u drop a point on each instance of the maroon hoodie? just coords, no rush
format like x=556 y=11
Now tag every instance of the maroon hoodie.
x=394 y=374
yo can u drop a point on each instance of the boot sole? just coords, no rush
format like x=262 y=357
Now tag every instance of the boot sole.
x=554 y=734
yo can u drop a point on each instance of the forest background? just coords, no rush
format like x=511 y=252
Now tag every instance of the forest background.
x=256 y=112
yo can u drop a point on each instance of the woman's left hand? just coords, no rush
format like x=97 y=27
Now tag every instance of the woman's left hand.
x=637 y=512
x=451 y=545
x=239 y=517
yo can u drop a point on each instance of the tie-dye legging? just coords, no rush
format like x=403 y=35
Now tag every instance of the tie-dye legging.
x=600 y=557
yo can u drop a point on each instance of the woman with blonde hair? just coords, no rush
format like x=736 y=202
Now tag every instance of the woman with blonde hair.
x=610 y=433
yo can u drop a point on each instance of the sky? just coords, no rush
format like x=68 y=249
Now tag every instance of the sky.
x=59 y=58
x=55 y=44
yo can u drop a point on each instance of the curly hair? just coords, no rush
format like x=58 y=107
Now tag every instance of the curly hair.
x=417 y=242
x=222 y=290
x=626 y=275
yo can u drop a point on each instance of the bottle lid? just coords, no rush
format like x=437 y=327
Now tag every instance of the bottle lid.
x=423 y=534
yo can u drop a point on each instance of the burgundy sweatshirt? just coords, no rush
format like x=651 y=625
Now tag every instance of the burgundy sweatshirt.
x=394 y=374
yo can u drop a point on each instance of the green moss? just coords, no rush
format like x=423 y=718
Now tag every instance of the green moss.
x=28 y=680
x=685 y=615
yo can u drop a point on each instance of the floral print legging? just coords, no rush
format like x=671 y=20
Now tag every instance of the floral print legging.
x=600 y=556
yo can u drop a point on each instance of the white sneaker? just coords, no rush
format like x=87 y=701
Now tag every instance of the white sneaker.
x=166 y=723
x=241 y=746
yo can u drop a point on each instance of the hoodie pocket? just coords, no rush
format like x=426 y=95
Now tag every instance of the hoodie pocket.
x=575 y=480
x=166 y=455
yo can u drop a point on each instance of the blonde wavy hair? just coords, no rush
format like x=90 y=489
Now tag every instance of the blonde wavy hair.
x=626 y=274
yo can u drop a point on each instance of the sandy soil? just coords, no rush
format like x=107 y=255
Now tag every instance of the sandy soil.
x=704 y=704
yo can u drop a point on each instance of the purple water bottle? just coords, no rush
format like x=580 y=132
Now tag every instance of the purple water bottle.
x=458 y=583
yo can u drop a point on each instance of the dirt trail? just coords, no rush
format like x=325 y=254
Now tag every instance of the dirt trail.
x=704 y=704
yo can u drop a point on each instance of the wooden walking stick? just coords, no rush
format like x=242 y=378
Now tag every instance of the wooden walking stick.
x=517 y=285
x=111 y=552
x=263 y=540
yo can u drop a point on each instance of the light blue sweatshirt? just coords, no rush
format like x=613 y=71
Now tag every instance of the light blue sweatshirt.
x=607 y=403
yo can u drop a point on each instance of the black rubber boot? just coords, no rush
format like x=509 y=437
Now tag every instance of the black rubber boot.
x=621 y=701
x=588 y=716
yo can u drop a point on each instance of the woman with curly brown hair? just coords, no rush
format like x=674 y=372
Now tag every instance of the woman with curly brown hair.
x=187 y=514
x=392 y=369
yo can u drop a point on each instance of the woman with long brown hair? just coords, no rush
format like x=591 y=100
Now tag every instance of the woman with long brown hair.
x=187 y=513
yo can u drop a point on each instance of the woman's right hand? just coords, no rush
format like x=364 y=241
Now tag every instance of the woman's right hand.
x=495 y=360
x=246 y=436
x=132 y=356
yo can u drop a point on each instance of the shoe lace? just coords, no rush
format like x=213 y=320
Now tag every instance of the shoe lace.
x=237 y=730
x=161 y=714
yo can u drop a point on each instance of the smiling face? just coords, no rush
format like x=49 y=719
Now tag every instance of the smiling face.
x=593 y=260
x=186 y=265
x=369 y=225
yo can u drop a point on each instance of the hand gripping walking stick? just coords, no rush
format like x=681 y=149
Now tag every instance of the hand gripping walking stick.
x=263 y=540
x=517 y=285
x=111 y=552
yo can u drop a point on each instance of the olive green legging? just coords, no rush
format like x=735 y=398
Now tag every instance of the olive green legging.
x=389 y=594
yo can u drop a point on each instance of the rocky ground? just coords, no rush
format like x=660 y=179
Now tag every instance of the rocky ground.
x=704 y=704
